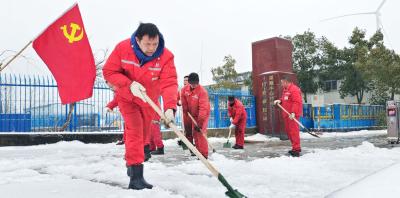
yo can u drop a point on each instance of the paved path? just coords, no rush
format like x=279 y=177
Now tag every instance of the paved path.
x=175 y=154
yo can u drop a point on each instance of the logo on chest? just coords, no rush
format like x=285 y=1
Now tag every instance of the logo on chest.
x=286 y=96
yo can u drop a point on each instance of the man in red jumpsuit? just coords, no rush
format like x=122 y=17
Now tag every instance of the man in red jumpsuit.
x=113 y=103
x=187 y=122
x=238 y=117
x=110 y=107
x=291 y=100
x=136 y=65
x=195 y=101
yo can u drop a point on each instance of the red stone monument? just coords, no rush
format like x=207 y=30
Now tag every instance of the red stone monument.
x=272 y=59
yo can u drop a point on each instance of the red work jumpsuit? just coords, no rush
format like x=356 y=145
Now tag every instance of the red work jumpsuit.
x=187 y=122
x=158 y=76
x=112 y=104
x=155 y=135
x=238 y=113
x=195 y=101
x=292 y=102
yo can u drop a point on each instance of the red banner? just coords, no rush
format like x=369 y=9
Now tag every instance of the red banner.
x=65 y=49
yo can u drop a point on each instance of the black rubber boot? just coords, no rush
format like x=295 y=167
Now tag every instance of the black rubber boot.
x=159 y=151
x=180 y=142
x=294 y=153
x=291 y=151
x=137 y=181
x=237 y=147
x=147 y=154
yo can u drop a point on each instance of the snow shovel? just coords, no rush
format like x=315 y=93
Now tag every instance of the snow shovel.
x=204 y=135
x=232 y=193
x=227 y=144
x=308 y=131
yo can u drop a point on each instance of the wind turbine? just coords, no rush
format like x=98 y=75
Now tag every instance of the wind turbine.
x=377 y=14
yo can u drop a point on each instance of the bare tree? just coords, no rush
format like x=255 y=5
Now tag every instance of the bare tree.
x=3 y=52
x=65 y=125
x=11 y=53
x=100 y=58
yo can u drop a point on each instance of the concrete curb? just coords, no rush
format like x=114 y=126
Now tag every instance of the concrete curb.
x=36 y=138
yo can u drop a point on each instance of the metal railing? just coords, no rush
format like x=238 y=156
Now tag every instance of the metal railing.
x=31 y=103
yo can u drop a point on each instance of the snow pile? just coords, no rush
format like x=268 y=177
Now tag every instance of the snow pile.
x=260 y=138
x=214 y=140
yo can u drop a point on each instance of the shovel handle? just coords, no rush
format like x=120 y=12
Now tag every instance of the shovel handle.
x=204 y=135
x=209 y=166
x=229 y=136
x=308 y=131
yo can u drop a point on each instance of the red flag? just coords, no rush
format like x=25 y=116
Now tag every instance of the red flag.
x=65 y=49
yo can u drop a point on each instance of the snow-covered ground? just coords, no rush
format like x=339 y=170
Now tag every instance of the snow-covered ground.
x=346 y=134
x=383 y=183
x=74 y=169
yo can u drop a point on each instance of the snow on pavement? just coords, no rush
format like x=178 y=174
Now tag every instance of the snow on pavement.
x=383 y=183
x=345 y=134
x=74 y=169
x=263 y=138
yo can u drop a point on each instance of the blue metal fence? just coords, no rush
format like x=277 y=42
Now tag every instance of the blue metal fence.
x=31 y=103
x=219 y=108
x=346 y=116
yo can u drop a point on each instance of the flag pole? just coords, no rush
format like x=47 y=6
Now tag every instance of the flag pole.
x=2 y=67
x=16 y=55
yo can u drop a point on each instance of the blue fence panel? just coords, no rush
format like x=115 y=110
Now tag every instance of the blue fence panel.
x=37 y=96
x=219 y=107
x=307 y=119
x=345 y=116
x=324 y=117
x=221 y=118
x=15 y=122
x=351 y=117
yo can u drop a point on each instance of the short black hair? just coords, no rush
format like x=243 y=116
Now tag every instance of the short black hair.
x=186 y=76
x=286 y=78
x=147 y=29
x=193 y=78
x=231 y=98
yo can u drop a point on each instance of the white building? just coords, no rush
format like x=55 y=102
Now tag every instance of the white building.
x=331 y=94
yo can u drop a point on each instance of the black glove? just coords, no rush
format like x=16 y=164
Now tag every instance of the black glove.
x=197 y=128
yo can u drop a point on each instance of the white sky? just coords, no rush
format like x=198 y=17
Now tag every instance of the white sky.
x=217 y=28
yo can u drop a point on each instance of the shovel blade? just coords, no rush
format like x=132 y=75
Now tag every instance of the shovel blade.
x=184 y=147
x=227 y=145
x=234 y=194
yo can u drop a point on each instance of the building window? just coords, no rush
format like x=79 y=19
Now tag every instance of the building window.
x=330 y=85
